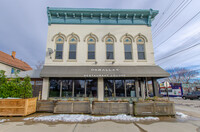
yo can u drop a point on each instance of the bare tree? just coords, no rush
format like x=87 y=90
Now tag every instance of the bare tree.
x=182 y=75
x=39 y=65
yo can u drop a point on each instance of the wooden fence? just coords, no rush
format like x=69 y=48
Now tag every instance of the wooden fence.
x=17 y=107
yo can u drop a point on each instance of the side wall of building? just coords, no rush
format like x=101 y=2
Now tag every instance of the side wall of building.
x=100 y=31
x=6 y=68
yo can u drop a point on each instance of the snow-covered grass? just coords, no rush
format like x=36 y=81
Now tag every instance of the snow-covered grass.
x=3 y=120
x=88 y=118
x=181 y=115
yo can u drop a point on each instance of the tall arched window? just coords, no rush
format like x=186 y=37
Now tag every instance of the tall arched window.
x=141 y=48
x=59 y=48
x=72 y=48
x=91 y=48
x=127 y=48
x=109 y=48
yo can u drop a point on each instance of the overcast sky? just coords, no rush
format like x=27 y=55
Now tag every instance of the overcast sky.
x=24 y=27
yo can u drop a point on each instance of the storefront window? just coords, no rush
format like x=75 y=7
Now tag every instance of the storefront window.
x=119 y=86
x=67 y=86
x=108 y=88
x=54 y=90
x=91 y=90
x=130 y=88
x=79 y=88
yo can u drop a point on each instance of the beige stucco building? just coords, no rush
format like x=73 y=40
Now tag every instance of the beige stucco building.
x=100 y=54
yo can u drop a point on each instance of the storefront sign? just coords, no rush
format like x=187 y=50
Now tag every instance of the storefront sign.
x=105 y=69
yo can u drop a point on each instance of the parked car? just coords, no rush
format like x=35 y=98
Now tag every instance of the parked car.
x=192 y=95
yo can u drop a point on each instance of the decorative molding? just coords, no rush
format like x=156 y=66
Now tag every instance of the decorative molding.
x=97 y=16
x=59 y=35
x=109 y=35
x=91 y=35
x=73 y=35
x=142 y=36
x=127 y=35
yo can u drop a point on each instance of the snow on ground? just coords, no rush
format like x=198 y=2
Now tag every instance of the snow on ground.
x=89 y=118
x=3 y=120
x=181 y=115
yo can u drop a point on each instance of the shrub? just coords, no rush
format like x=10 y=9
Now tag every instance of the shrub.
x=15 y=87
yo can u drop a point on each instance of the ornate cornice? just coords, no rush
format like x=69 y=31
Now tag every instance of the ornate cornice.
x=100 y=16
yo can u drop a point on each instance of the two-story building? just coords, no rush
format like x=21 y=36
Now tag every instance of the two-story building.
x=10 y=64
x=99 y=53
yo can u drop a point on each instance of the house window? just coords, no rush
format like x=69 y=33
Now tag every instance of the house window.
x=109 y=49
x=59 y=48
x=128 y=49
x=12 y=70
x=140 y=48
x=91 y=48
x=72 y=48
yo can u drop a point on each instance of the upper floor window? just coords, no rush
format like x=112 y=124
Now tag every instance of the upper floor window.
x=91 y=48
x=59 y=48
x=128 y=49
x=109 y=48
x=141 y=48
x=72 y=48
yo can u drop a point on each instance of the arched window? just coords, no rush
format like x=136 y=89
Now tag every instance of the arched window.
x=140 y=48
x=59 y=48
x=91 y=48
x=127 y=48
x=109 y=48
x=72 y=48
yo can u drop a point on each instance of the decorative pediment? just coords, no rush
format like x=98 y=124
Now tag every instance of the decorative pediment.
x=91 y=35
x=109 y=35
x=73 y=35
x=59 y=35
x=127 y=36
x=142 y=36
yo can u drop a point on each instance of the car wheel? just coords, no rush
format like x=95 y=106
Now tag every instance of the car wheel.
x=184 y=98
x=199 y=97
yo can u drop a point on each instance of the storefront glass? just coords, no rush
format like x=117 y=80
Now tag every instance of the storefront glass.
x=120 y=90
x=54 y=88
x=67 y=86
x=130 y=88
x=108 y=88
x=79 y=88
x=91 y=90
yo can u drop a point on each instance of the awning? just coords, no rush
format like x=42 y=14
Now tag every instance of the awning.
x=103 y=71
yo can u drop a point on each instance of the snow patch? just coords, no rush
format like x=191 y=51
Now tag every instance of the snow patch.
x=87 y=118
x=184 y=116
x=3 y=120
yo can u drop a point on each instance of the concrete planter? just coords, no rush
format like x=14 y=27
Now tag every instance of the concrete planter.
x=153 y=108
x=17 y=107
x=110 y=107
x=72 y=107
x=45 y=106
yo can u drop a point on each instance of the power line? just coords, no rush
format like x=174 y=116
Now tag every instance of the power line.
x=167 y=23
x=178 y=52
x=170 y=16
x=163 y=14
x=177 y=30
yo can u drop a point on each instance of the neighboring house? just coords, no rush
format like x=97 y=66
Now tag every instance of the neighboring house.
x=36 y=80
x=10 y=64
x=99 y=53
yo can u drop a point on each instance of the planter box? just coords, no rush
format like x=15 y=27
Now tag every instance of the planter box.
x=45 y=106
x=72 y=107
x=17 y=107
x=154 y=108
x=110 y=107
